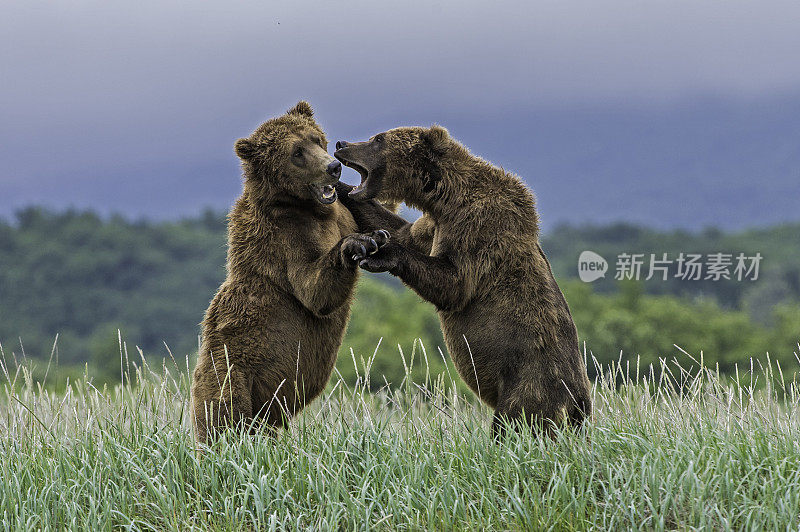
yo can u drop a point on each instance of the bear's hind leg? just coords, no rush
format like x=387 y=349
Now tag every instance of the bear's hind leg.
x=270 y=416
x=225 y=406
x=527 y=406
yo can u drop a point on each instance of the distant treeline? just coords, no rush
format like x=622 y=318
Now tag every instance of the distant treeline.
x=83 y=277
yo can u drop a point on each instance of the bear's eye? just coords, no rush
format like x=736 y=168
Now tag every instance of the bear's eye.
x=379 y=138
x=298 y=152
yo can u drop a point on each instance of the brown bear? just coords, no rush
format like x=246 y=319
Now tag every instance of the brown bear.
x=272 y=332
x=475 y=255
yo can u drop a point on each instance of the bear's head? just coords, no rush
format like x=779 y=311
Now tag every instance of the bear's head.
x=289 y=155
x=401 y=164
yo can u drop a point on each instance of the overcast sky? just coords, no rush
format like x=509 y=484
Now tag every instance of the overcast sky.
x=111 y=104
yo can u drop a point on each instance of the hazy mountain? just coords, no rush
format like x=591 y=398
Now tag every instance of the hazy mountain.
x=733 y=164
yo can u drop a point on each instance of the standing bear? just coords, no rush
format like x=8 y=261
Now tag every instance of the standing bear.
x=475 y=255
x=272 y=332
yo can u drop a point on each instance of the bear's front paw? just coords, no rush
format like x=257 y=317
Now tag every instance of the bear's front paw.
x=386 y=259
x=357 y=247
x=377 y=264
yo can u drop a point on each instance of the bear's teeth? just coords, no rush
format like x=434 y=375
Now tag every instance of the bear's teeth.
x=328 y=191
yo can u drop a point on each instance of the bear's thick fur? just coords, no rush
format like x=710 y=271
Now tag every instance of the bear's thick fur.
x=475 y=255
x=271 y=333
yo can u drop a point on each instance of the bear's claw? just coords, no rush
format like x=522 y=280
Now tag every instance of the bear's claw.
x=360 y=254
x=381 y=237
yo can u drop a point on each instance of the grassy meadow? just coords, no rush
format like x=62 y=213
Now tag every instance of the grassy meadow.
x=669 y=448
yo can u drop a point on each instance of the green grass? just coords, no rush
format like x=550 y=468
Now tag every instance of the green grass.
x=669 y=448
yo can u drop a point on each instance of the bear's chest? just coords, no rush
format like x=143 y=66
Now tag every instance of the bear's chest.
x=331 y=231
x=322 y=233
x=325 y=236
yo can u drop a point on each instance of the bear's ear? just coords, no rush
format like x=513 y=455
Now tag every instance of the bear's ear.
x=437 y=138
x=302 y=108
x=245 y=149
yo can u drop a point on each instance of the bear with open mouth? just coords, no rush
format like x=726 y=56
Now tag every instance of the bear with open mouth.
x=272 y=332
x=475 y=255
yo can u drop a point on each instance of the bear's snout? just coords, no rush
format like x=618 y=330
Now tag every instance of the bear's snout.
x=341 y=144
x=334 y=169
